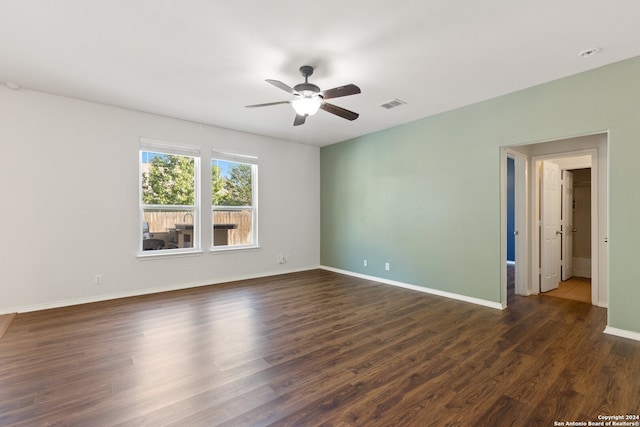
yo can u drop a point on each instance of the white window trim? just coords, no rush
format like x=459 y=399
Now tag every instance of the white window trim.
x=166 y=147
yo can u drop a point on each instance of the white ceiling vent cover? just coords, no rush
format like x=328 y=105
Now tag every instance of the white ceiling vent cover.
x=392 y=104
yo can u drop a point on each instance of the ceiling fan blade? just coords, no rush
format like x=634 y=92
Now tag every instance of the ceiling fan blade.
x=282 y=86
x=339 y=111
x=299 y=120
x=337 y=92
x=267 y=104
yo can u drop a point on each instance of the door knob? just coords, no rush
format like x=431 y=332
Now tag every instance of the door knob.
x=558 y=232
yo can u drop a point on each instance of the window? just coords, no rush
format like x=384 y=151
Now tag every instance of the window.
x=169 y=197
x=234 y=183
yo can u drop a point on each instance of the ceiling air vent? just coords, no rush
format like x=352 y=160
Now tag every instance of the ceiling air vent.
x=589 y=52
x=392 y=104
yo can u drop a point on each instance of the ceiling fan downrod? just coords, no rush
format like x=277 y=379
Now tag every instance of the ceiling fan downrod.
x=306 y=88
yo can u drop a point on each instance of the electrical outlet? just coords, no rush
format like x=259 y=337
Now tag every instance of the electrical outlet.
x=365 y=263
x=387 y=266
x=98 y=279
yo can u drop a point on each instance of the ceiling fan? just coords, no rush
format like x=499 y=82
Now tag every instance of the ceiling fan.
x=308 y=98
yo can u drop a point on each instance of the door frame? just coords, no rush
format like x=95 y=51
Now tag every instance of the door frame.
x=567 y=225
x=521 y=168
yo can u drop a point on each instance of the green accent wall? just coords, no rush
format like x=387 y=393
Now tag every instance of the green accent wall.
x=425 y=196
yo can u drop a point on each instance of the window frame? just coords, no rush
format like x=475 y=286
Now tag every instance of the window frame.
x=253 y=162
x=170 y=148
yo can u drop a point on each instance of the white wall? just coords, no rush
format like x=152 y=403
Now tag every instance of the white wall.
x=68 y=185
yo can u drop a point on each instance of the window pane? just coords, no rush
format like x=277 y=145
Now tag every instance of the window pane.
x=232 y=227
x=167 y=179
x=231 y=183
x=168 y=199
x=167 y=229
x=233 y=195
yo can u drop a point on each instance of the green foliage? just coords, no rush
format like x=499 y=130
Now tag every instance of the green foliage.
x=234 y=190
x=217 y=185
x=170 y=181
x=240 y=185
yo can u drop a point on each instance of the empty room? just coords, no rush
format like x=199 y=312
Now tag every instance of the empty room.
x=329 y=213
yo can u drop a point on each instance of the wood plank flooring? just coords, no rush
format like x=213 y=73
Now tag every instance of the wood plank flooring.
x=314 y=348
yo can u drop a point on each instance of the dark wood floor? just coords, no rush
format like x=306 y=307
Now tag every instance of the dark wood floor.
x=314 y=348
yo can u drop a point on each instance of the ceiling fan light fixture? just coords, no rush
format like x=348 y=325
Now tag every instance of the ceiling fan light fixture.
x=306 y=106
x=308 y=98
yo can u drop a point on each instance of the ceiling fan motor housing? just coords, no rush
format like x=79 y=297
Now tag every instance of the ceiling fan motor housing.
x=306 y=89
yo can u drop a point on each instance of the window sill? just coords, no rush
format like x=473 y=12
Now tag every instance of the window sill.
x=226 y=249
x=168 y=253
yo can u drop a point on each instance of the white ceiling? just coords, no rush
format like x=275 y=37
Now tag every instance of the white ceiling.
x=204 y=60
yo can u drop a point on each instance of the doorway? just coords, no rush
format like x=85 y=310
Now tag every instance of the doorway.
x=527 y=200
x=515 y=217
x=565 y=237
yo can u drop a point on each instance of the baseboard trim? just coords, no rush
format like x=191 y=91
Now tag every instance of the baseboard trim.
x=622 y=333
x=147 y=291
x=451 y=295
x=582 y=273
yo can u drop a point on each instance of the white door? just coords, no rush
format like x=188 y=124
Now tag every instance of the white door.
x=567 y=225
x=550 y=227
